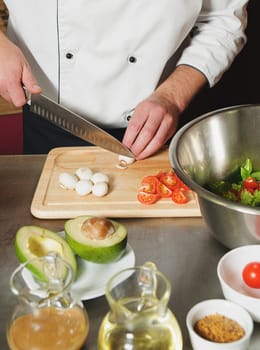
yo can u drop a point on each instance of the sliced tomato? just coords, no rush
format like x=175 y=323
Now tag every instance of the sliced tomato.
x=170 y=180
x=179 y=196
x=163 y=191
x=148 y=188
x=165 y=184
x=160 y=174
x=150 y=179
x=184 y=186
x=147 y=198
x=149 y=184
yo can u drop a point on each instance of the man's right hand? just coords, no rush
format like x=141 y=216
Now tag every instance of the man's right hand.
x=15 y=73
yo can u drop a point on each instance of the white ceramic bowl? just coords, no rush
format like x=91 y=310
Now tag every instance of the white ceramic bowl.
x=225 y=308
x=229 y=271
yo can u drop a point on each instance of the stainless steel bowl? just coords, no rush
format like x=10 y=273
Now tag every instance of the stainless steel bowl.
x=210 y=148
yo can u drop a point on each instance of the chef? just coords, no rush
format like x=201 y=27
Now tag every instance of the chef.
x=130 y=66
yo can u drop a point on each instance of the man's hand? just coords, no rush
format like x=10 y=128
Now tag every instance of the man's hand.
x=15 y=73
x=153 y=122
x=155 y=119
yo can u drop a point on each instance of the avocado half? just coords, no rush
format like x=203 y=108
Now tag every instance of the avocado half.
x=33 y=242
x=103 y=249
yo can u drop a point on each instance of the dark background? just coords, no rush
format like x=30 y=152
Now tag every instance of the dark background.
x=241 y=83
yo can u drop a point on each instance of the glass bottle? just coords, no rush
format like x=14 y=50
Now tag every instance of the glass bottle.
x=139 y=317
x=45 y=316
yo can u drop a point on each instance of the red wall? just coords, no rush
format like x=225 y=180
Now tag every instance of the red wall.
x=11 y=135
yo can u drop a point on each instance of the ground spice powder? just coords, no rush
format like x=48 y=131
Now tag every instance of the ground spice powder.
x=219 y=329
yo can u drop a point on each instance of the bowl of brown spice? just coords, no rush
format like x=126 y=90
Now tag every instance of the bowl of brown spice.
x=219 y=324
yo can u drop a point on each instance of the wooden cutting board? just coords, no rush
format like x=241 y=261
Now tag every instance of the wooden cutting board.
x=50 y=200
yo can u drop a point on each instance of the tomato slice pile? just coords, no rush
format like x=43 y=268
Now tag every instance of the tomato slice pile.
x=162 y=185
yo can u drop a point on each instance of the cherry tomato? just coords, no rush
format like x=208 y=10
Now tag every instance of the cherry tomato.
x=162 y=185
x=250 y=183
x=150 y=179
x=161 y=173
x=179 y=197
x=183 y=186
x=251 y=274
x=170 y=180
x=147 y=198
x=163 y=191
x=149 y=184
x=148 y=188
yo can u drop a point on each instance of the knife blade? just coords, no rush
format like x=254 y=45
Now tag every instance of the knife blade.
x=75 y=124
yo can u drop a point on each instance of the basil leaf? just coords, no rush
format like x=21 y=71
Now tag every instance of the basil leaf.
x=246 y=169
x=256 y=175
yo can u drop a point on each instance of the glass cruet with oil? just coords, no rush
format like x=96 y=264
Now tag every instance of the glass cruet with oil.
x=139 y=317
x=46 y=317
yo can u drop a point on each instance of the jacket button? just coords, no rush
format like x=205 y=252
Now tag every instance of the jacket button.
x=69 y=55
x=132 y=59
x=128 y=114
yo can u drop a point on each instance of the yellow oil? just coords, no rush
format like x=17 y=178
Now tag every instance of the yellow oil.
x=146 y=331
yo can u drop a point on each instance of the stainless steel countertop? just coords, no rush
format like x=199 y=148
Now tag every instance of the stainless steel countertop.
x=182 y=248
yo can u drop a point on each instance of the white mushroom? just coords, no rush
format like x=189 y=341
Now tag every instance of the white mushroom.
x=84 y=187
x=68 y=180
x=124 y=161
x=99 y=177
x=84 y=173
x=128 y=160
x=100 y=189
x=84 y=181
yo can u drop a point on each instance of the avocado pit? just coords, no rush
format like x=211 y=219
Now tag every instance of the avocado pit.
x=97 y=228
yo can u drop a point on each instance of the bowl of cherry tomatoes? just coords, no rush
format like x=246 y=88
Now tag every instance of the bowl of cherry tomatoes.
x=239 y=276
x=217 y=155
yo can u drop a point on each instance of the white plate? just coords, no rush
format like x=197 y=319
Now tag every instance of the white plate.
x=92 y=278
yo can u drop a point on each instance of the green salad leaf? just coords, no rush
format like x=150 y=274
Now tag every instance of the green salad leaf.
x=245 y=189
x=246 y=169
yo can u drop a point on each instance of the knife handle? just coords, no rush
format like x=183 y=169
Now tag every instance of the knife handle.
x=28 y=95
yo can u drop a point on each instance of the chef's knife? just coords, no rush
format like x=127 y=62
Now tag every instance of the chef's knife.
x=75 y=124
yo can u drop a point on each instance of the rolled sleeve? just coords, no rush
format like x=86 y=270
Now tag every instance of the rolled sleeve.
x=218 y=36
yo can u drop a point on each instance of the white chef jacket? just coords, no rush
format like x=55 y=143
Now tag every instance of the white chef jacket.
x=101 y=57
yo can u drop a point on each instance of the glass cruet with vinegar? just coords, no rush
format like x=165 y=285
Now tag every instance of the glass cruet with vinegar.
x=139 y=317
x=46 y=317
